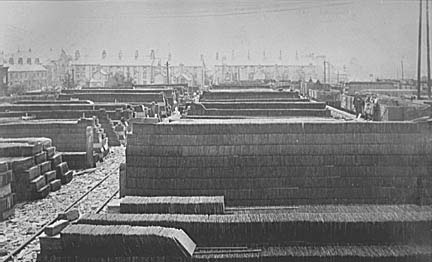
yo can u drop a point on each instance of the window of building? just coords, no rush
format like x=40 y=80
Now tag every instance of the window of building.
x=29 y=61
x=37 y=61
x=20 y=60
x=11 y=61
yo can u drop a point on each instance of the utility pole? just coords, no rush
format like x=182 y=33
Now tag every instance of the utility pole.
x=419 y=52
x=324 y=72
x=328 y=71
x=402 y=69
x=167 y=72
x=428 y=50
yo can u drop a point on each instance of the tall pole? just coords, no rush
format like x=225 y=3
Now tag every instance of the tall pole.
x=167 y=72
x=428 y=50
x=419 y=52
x=324 y=72
x=402 y=69
x=328 y=71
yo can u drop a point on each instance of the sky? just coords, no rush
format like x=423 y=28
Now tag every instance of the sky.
x=370 y=36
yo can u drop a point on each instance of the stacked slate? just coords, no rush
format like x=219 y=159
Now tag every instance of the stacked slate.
x=52 y=110
x=356 y=225
x=259 y=162
x=242 y=85
x=132 y=98
x=244 y=95
x=33 y=164
x=200 y=110
x=259 y=109
x=74 y=138
x=121 y=241
x=173 y=205
x=264 y=105
x=7 y=197
x=169 y=93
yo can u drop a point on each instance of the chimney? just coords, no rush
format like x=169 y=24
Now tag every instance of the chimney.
x=120 y=55
x=248 y=55
x=152 y=54
x=104 y=54
x=217 y=56
x=280 y=55
x=136 y=54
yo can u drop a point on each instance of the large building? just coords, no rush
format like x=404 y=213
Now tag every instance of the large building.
x=30 y=76
x=280 y=68
x=97 y=70
x=37 y=70
x=3 y=78
x=138 y=69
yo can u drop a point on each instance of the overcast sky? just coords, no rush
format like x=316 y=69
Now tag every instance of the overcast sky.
x=376 y=34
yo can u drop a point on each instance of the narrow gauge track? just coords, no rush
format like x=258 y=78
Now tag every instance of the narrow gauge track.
x=76 y=203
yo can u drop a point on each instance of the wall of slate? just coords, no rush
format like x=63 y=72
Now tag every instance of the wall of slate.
x=255 y=163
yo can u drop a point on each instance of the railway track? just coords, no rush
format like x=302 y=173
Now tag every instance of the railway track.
x=89 y=202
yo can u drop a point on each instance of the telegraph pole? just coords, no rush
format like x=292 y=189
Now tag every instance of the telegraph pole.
x=419 y=52
x=428 y=50
x=167 y=72
x=324 y=72
x=402 y=69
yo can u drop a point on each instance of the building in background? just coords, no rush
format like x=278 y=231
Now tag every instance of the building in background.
x=195 y=73
x=248 y=68
x=3 y=79
x=58 y=67
x=136 y=69
x=29 y=76
x=37 y=70
x=97 y=70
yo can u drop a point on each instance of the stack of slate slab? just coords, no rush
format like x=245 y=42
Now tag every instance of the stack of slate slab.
x=7 y=197
x=258 y=109
x=115 y=111
x=123 y=97
x=37 y=168
x=238 y=85
x=75 y=139
x=249 y=95
x=259 y=162
x=387 y=233
x=169 y=93
x=71 y=110
x=173 y=205
x=100 y=139
x=81 y=242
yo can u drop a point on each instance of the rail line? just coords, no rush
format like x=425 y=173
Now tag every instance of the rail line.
x=72 y=205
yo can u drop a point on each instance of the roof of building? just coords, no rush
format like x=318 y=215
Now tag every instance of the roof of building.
x=114 y=60
x=26 y=68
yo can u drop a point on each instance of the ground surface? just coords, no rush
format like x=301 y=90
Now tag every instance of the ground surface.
x=31 y=216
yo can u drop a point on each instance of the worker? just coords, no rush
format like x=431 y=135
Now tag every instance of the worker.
x=376 y=110
x=358 y=105
x=152 y=112
x=123 y=122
